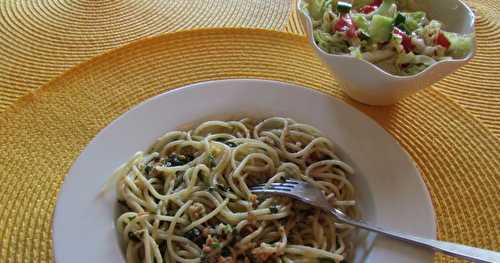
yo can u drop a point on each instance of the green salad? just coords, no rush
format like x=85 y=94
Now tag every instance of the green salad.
x=383 y=32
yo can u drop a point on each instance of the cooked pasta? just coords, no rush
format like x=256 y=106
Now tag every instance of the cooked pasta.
x=187 y=199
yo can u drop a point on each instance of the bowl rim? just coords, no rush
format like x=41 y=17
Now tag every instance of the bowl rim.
x=387 y=74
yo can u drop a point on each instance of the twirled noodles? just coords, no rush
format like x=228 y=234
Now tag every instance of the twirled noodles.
x=187 y=199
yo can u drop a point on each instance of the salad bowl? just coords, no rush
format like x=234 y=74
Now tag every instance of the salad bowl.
x=367 y=83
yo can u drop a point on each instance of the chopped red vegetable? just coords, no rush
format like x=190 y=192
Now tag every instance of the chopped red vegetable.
x=345 y=24
x=442 y=40
x=406 y=40
x=371 y=7
x=367 y=9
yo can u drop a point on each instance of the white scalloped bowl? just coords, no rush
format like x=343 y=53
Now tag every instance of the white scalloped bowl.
x=367 y=83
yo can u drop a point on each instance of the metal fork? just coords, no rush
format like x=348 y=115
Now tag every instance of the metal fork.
x=308 y=193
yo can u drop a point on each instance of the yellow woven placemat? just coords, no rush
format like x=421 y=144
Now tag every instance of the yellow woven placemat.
x=43 y=133
x=39 y=39
x=476 y=87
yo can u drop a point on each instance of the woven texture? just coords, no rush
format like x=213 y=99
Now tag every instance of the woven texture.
x=43 y=133
x=476 y=86
x=39 y=39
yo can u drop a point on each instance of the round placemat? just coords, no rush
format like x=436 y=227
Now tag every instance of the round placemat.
x=44 y=132
x=476 y=86
x=39 y=39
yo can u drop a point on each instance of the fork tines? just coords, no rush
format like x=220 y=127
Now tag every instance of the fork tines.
x=287 y=186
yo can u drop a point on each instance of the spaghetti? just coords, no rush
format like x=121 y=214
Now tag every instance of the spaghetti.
x=188 y=200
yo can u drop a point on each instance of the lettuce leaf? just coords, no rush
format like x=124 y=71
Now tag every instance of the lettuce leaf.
x=461 y=45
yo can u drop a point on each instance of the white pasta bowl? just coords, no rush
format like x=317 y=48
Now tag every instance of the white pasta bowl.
x=390 y=191
x=367 y=83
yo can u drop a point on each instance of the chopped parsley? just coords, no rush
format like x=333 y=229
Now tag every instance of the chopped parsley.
x=216 y=245
x=274 y=209
x=228 y=229
x=192 y=234
x=147 y=169
x=195 y=236
x=177 y=160
x=225 y=252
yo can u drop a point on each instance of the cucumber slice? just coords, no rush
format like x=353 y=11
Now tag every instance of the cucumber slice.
x=380 y=28
x=460 y=46
x=360 y=21
x=413 y=20
x=343 y=7
x=400 y=19
x=363 y=35
x=385 y=8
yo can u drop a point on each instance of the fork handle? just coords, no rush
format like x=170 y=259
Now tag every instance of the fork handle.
x=452 y=249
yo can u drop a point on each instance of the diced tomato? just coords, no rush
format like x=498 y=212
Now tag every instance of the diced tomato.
x=371 y=7
x=406 y=40
x=352 y=32
x=442 y=40
x=345 y=24
x=367 y=9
